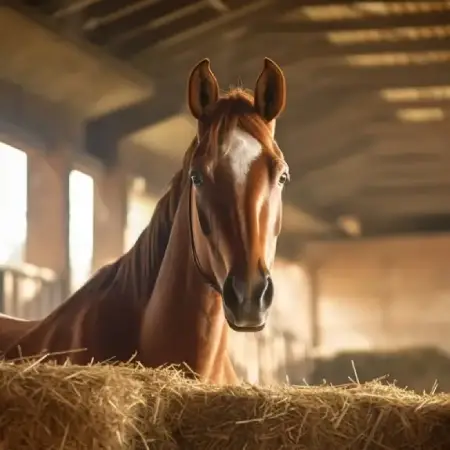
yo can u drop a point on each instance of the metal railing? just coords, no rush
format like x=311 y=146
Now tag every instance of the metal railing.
x=30 y=292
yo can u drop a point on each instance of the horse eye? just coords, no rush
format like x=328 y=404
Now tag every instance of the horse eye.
x=284 y=178
x=197 y=179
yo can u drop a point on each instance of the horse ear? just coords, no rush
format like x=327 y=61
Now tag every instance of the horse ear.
x=270 y=91
x=203 y=89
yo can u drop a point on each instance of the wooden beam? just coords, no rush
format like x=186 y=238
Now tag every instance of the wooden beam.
x=408 y=191
x=103 y=30
x=396 y=224
x=383 y=77
x=390 y=173
x=413 y=177
x=443 y=103
x=326 y=49
x=62 y=10
x=422 y=19
x=101 y=9
x=43 y=62
x=402 y=201
x=58 y=28
x=132 y=43
x=104 y=133
x=193 y=37
x=405 y=156
x=403 y=139
x=410 y=132
x=153 y=22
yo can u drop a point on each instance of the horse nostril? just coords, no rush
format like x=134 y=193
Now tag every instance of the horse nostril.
x=266 y=296
x=231 y=292
x=239 y=287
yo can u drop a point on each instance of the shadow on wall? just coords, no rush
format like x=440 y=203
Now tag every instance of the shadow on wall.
x=418 y=369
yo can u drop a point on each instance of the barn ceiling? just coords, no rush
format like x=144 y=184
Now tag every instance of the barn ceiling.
x=63 y=72
x=367 y=126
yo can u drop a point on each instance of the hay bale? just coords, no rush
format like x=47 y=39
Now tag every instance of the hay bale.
x=415 y=368
x=104 y=407
x=44 y=406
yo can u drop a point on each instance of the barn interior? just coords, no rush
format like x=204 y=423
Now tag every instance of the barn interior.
x=364 y=246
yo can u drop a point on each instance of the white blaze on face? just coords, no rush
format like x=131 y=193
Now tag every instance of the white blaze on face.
x=242 y=150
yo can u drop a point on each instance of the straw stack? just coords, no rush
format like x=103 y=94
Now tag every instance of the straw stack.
x=47 y=407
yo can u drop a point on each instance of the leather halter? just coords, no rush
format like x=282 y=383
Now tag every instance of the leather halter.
x=206 y=278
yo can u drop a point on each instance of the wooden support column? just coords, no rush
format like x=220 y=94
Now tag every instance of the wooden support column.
x=110 y=216
x=313 y=272
x=48 y=210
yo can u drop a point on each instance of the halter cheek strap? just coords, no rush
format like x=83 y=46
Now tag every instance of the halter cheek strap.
x=206 y=278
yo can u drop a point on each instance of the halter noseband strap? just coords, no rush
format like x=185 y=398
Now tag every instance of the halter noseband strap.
x=206 y=278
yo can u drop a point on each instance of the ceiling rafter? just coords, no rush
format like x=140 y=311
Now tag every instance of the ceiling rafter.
x=432 y=18
x=328 y=50
x=241 y=16
x=145 y=17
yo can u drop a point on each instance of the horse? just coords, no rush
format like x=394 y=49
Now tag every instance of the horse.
x=215 y=274
x=103 y=316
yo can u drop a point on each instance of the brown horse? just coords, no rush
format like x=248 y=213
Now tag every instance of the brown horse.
x=103 y=316
x=225 y=229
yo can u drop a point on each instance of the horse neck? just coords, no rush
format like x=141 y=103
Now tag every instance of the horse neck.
x=184 y=321
x=137 y=270
x=133 y=275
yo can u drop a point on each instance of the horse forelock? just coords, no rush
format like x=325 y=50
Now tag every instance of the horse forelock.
x=235 y=109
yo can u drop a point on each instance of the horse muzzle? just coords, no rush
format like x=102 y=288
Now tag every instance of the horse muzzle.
x=246 y=305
